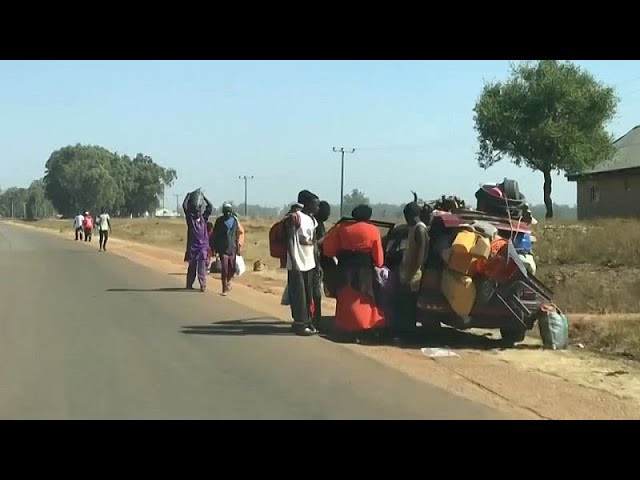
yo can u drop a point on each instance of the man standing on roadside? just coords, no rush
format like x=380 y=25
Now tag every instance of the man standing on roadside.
x=104 y=227
x=78 y=222
x=302 y=266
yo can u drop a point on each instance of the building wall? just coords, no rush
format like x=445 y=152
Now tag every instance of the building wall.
x=611 y=195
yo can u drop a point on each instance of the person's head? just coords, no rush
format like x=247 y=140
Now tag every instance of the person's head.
x=324 y=211
x=310 y=201
x=412 y=213
x=103 y=210
x=362 y=213
x=227 y=209
x=87 y=212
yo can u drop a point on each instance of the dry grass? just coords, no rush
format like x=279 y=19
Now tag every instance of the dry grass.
x=620 y=337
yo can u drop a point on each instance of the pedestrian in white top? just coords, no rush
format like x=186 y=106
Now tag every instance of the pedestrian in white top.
x=302 y=263
x=78 y=222
x=104 y=227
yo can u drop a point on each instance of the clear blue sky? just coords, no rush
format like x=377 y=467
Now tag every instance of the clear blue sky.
x=410 y=121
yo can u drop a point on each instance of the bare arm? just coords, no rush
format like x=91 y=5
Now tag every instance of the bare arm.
x=208 y=208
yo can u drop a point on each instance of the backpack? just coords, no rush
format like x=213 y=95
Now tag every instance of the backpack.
x=88 y=221
x=278 y=240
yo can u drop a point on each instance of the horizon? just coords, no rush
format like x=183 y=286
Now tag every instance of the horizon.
x=213 y=121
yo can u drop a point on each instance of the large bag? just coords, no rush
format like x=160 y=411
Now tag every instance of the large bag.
x=195 y=202
x=554 y=328
x=278 y=241
x=240 y=266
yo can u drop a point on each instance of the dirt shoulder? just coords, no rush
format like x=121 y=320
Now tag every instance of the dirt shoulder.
x=527 y=382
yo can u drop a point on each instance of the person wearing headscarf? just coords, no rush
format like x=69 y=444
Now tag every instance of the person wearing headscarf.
x=357 y=245
x=303 y=272
x=227 y=239
x=197 y=249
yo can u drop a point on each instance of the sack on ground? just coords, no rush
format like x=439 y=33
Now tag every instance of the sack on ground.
x=554 y=328
x=240 y=266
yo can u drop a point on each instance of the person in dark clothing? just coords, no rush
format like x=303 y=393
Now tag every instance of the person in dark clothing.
x=302 y=263
x=324 y=212
x=226 y=241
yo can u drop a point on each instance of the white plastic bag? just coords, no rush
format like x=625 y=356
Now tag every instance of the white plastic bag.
x=240 y=266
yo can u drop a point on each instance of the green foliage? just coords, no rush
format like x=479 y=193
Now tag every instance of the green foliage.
x=352 y=200
x=85 y=177
x=548 y=116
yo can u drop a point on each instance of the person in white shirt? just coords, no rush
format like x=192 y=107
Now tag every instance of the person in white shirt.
x=104 y=227
x=302 y=263
x=78 y=221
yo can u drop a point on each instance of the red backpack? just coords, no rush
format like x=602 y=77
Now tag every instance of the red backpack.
x=278 y=240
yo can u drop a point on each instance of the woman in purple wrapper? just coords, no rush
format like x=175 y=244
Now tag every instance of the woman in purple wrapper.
x=197 y=250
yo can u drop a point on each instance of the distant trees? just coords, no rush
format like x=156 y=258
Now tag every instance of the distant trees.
x=352 y=200
x=549 y=116
x=87 y=177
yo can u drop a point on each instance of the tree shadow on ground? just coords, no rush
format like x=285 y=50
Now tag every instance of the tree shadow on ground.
x=250 y=326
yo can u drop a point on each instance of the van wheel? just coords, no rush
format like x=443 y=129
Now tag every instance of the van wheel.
x=511 y=336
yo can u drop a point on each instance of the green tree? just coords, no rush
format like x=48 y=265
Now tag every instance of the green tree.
x=15 y=197
x=353 y=199
x=38 y=205
x=86 y=177
x=148 y=181
x=549 y=116
x=79 y=178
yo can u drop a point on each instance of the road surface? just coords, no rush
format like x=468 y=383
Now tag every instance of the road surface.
x=89 y=335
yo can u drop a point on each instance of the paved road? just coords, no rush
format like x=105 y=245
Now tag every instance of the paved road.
x=87 y=335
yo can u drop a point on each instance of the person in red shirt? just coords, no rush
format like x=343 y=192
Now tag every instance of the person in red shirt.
x=358 y=247
x=87 y=225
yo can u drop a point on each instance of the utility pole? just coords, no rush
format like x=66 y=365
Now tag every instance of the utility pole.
x=177 y=195
x=342 y=151
x=24 y=209
x=12 y=207
x=163 y=196
x=245 y=178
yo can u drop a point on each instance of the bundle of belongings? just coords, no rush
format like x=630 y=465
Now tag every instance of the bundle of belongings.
x=482 y=261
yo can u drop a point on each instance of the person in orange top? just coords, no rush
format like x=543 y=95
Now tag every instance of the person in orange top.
x=358 y=247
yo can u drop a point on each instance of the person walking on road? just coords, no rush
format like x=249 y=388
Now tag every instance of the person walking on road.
x=228 y=238
x=197 y=217
x=303 y=273
x=104 y=228
x=78 y=221
x=88 y=225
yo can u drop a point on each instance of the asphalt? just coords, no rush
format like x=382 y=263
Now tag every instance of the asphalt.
x=89 y=335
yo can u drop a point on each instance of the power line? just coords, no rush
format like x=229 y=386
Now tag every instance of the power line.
x=342 y=152
x=246 y=178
